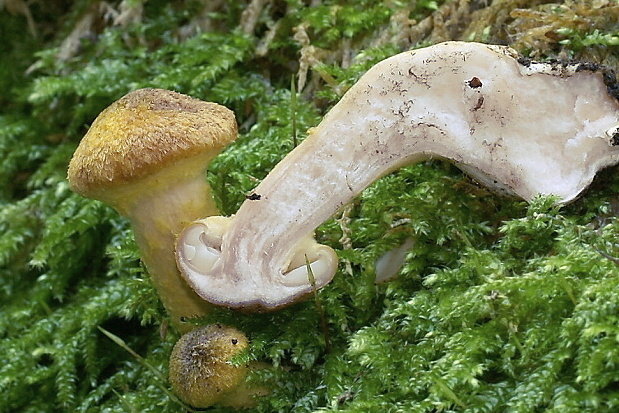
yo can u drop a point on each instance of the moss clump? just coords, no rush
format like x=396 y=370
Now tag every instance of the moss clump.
x=500 y=306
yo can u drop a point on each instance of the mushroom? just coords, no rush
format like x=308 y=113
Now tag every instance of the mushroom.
x=200 y=371
x=519 y=127
x=389 y=264
x=146 y=155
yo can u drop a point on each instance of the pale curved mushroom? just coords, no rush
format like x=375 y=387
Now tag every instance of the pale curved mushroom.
x=519 y=127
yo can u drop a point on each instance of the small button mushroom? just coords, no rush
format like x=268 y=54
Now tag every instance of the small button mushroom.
x=518 y=127
x=146 y=156
x=200 y=369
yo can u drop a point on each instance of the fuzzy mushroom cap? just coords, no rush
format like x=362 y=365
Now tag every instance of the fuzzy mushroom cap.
x=144 y=132
x=200 y=370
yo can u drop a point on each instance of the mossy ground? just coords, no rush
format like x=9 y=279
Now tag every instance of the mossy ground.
x=501 y=306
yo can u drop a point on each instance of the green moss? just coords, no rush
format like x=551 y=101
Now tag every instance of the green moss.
x=501 y=306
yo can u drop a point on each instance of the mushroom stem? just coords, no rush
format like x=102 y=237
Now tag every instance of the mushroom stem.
x=157 y=220
x=521 y=128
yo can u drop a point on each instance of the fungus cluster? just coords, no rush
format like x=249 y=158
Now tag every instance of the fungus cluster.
x=520 y=128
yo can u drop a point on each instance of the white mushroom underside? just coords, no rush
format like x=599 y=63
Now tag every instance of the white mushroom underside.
x=510 y=127
x=199 y=249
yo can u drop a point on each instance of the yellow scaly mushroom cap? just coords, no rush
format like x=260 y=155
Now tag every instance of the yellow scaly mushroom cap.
x=143 y=133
